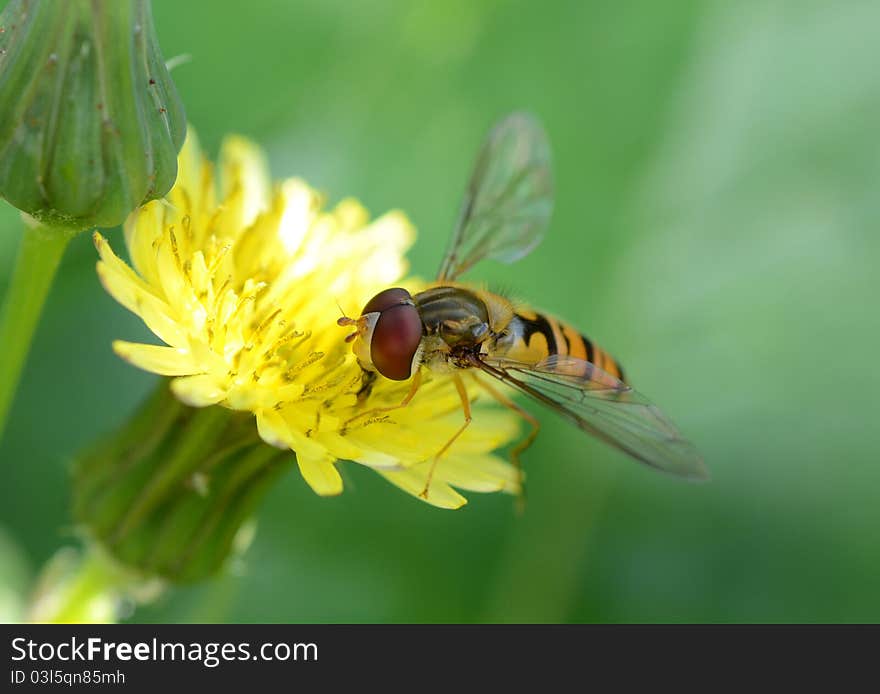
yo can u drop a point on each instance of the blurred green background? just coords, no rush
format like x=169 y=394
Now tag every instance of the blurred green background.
x=716 y=228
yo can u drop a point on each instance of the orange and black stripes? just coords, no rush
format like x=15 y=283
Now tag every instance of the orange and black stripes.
x=606 y=362
x=536 y=324
x=542 y=336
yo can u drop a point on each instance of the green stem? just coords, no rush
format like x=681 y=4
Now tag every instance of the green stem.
x=38 y=257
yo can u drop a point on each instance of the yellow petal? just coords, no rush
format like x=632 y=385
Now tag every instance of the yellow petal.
x=272 y=428
x=132 y=292
x=171 y=277
x=165 y=361
x=340 y=447
x=351 y=214
x=379 y=460
x=479 y=473
x=110 y=258
x=207 y=359
x=193 y=190
x=197 y=391
x=390 y=232
x=298 y=440
x=408 y=441
x=440 y=494
x=142 y=228
x=321 y=474
x=301 y=207
x=243 y=169
x=489 y=430
x=198 y=273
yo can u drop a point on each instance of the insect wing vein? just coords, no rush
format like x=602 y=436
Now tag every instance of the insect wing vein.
x=601 y=405
x=509 y=198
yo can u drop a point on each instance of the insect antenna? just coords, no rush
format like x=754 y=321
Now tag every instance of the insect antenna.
x=345 y=320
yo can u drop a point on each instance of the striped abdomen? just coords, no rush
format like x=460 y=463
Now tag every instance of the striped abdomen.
x=533 y=336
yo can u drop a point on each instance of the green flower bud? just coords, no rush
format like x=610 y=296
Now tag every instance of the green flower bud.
x=168 y=494
x=87 y=586
x=90 y=121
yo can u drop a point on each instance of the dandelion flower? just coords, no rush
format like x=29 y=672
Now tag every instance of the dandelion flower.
x=241 y=279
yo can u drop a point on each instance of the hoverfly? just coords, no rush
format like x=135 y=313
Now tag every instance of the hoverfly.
x=464 y=331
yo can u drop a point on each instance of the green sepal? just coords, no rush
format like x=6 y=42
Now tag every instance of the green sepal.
x=90 y=120
x=168 y=493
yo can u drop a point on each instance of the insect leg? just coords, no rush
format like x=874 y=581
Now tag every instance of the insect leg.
x=524 y=443
x=368 y=378
x=414 y=388
x=466 y=406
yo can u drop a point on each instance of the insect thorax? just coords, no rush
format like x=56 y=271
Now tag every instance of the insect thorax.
x=457 y=316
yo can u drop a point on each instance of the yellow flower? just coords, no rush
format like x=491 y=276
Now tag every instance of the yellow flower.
x=242 y=280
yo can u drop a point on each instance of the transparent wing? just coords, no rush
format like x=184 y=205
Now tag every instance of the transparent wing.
x=509 y=198
x=601 y=405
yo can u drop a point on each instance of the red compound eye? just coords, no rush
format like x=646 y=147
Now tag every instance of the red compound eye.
x=386 y=299
x=396 y=338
